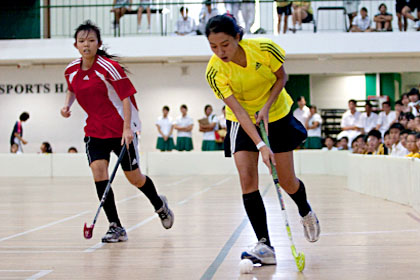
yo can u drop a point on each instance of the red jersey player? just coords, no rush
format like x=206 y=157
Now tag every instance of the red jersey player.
x=103 y=90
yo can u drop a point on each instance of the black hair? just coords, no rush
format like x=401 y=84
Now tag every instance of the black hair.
x=397 y=126
x=165 y=108
x=404 y=94
x=313 y=106
x=72 y=149
x=344 y=137
x=380 y=6
x=407 y=115
x=406 y=131
x=352 y=101
x=184 y=106
x=413 y=91
x=225 y=23
x=387 y=103
x=207 y=106
x=375 y=133
x=47 y=147
x=182 y=9
x=24 y=116
x=386 y=133
x=399 y=102
x=300 y=98
x=418 y=135
x=330 y=137
x=364 y=9
x=368 y=104
x=361 y=136
x=90 y=26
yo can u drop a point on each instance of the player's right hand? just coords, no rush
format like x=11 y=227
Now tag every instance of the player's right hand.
x=65 y=111
x=24 y=142
x=267 y=157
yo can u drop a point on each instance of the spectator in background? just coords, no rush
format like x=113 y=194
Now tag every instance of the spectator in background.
x=368 y=119
x=388 y=141
x=383 y=19
x=386 y=118
x=398 y=108
x=185 y=25
x=46 y=148
x=418 y=140
x=165 y=128
x=362 y=22
x=17 y=133
x=120 y=8
x=374 y=144
x=313 y=126
x=350 y=121
x=248 y=13
x=233 y=8
x=417 y=124
x=14 y=149
x=399 y=5
x=351 y=6
x=207 y=12
x=208 y=125
x=406 y=11
x=329 y=144
x=412 y=145
x=343 y=144
x=144 y=5
x=403 y=137
x=283 y=7
x=361 y=145
x=404 y=101
x=404 y=119
x=184 y=124
x=397 y=149
x=414 y=103
x=302 y=112
x=302 y=13
x=72 y=150
x=222 y=131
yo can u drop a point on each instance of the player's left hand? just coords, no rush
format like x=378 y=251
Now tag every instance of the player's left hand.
x=127 y=137
x=263 y=116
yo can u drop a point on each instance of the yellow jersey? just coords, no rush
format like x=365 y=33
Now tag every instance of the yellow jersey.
x=251 y=85
x=283 y=3
x=413 y=155
x=304 y=3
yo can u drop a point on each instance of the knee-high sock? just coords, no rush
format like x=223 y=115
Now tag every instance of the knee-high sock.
x=150 y=192
x=301 y=201
x=109 y=205
x=254 y=207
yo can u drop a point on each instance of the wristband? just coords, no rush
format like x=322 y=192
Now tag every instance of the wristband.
x=260 y=145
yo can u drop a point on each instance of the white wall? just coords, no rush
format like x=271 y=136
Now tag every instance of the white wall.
x=333 y=91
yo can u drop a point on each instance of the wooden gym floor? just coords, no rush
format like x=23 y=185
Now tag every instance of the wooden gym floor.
x=42 y=221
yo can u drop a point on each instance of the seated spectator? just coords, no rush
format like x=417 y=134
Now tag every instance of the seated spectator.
x=329 y=144
x=362 y=22
x=143 y=7
x=72 y=150
x=374 y=143
x=388 y=141
x=184 y=124
x=165 y=128
x=404 y=118
x=383 y=19
x=185 y=25
x=350 y=121
x=403 y=137
x=302 y=13
x=386 y=118
x=313 y=126
x=405 y=101
x=302 y=112
x=14 y=149
x=417 y=124
x=361 y=146
x=343 y=144
x=399 y=108
x=414 y=104
x=46 y=148
x=412 y=145
x=418 y=140
x=351 y=6
x=368 y=119
x=120 y=8
x=207 y=12
x=397 y=150
x=283 y=7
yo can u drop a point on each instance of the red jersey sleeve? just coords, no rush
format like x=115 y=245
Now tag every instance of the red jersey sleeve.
x=70 y=72
x=118 y=78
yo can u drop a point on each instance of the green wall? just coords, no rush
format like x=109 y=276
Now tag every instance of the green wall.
x=20 y=19
x=298 y=85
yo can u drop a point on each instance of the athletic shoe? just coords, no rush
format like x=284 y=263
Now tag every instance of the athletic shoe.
x=311 y=227
x=260 y=253
x=139 y=29
x=148 y=30
x=165 y=214
x=115 y=234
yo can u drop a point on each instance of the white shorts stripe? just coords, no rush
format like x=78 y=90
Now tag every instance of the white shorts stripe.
x=110 y=67
x=233 y=133
x=107 y=70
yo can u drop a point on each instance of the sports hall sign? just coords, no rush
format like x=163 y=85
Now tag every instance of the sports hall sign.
x=37 y=88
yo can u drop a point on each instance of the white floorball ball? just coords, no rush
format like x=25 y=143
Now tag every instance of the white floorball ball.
x=245 y=266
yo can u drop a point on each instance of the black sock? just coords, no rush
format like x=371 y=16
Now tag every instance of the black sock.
x=150 y=191
x=299 y=198
x=109 y=205
x=254 y=207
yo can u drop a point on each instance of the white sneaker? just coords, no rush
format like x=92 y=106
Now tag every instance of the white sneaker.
x=139 y=29
x=311 y=227
x=148 y=30
x=260 y=253
x=165 y=214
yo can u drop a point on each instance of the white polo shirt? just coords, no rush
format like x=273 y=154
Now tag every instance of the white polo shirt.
x=362 y=23
x=301 y=114
x=209 y=135
x=399 y=150
x=368 y=122
x=165 y=125
x=184 y=122
x=316 y=132
x=385 y=121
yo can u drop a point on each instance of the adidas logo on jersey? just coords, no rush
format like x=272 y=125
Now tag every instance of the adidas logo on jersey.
x=86 y=78
x=257 y=66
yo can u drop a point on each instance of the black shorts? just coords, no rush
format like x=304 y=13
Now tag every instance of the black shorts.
x=414 y=4
x=287 y=10
x=309 y=18
x=284 y=135
x=97 y=149
x=399 y=5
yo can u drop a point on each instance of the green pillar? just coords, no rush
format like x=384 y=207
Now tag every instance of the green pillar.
x=298 y=85
x=370 y=84
x=20 y=19
x=390 y=85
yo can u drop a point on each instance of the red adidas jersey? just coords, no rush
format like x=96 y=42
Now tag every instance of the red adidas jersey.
x=100 y=91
